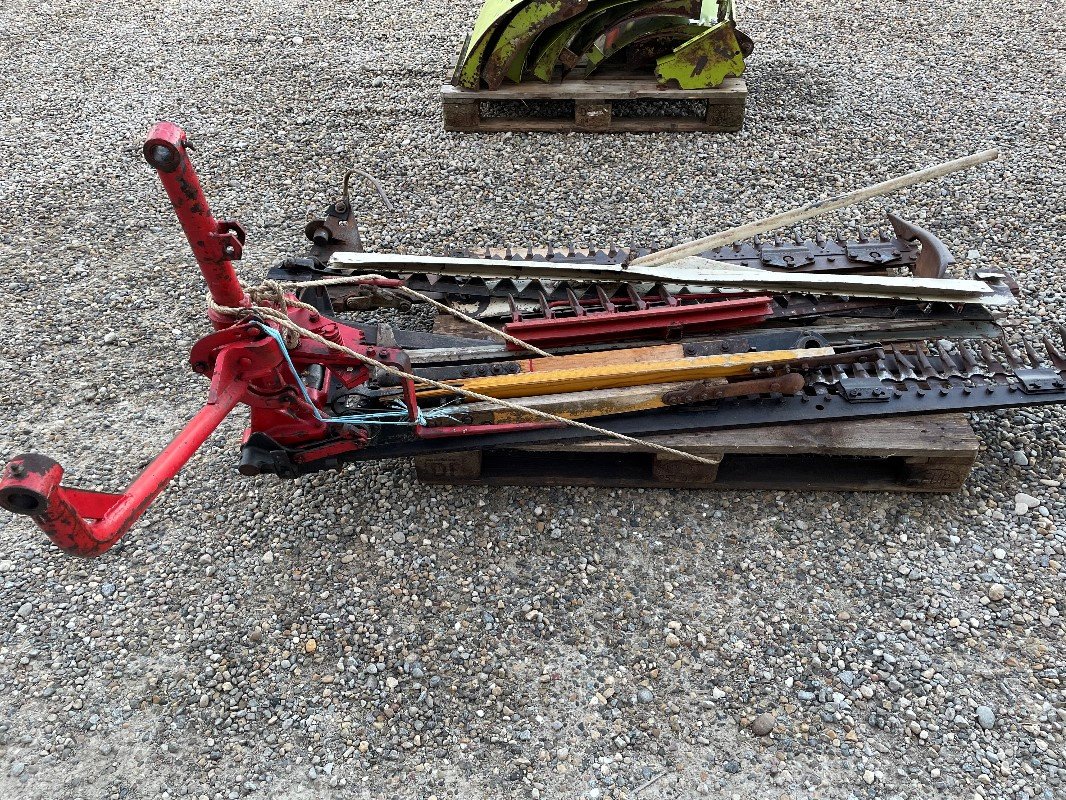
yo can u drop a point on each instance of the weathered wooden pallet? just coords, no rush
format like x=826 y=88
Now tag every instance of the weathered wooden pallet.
x=903 y=454
x=599 y=106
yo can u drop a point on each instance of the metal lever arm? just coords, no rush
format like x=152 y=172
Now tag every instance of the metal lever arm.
x=214 y=243
x=89 y=523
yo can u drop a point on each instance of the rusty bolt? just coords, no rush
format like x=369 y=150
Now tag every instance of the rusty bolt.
x=17 y=470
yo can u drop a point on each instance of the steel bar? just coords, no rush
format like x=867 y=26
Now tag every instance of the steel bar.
x=214 y=243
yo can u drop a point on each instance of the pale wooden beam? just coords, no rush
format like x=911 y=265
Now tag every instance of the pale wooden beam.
x=810 y=210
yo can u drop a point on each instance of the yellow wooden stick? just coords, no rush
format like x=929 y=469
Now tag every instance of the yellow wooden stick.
x=614 y=376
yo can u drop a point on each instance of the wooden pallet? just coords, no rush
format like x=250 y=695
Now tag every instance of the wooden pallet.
x=599 y=106
x=904 y=454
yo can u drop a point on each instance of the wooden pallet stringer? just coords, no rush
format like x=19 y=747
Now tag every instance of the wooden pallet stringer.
x=595 y=108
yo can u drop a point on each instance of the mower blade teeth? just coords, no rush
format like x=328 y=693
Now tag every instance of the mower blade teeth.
x=1034 y=357
x=993 y=363
x=575 y=304
x=1010 y=353
x=1057 y=356
x=924 y=364
x=545 y=306
x=903 y=365
x=969 y=360
x=883 y=372
x=949 y=366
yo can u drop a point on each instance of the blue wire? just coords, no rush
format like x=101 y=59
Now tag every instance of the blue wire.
x=378 y=418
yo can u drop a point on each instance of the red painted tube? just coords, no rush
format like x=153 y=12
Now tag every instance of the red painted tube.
x=662 y=321
x=213 y=243
x=30 y=485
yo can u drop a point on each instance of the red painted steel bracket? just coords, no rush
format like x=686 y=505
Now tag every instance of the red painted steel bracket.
x=245 y=367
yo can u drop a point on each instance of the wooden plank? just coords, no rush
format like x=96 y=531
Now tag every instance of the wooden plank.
x=462 y=115
x=613 y=376
x=595 y=106
x=919 y=436
x=813 y=209
x=728 y=124
x=933 y=453
x=585 y=405
x=732 y=90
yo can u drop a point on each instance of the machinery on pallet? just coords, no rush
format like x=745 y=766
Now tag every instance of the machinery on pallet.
x=639 y=342
x=687 y=44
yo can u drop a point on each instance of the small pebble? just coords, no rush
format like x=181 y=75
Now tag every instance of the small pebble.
x=763 y=724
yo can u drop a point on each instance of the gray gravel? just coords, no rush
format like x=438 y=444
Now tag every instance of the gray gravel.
x=260 y=639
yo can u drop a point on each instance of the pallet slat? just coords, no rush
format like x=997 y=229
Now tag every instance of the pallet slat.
x=913 y=454
x=594 y=106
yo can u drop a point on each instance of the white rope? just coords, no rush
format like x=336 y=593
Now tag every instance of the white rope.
x=277 y=315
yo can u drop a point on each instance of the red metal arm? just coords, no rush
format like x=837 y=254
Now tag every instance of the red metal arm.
x=30 y=484
x=214 y=243
x=89 y=523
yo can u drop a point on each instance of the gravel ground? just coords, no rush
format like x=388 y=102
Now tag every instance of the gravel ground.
x=251 y=638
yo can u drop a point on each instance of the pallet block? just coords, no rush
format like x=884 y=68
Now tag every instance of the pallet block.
x=932 y=453
x=595 y=106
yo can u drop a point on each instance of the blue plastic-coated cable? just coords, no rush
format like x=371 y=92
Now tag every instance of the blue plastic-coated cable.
x=377 y=418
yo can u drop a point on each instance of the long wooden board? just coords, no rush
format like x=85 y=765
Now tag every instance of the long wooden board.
x=932 y=453
x=596 y=105
x=614 y=376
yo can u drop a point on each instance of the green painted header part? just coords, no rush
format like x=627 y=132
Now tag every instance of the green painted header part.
x=492 y=14
x=515 y=38
x=703 y=61
x=522 y=39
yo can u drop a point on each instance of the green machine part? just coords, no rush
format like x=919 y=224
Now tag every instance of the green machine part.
x=635 y=29
x=703 y=61
x=520 y=39
x=514 y=39
x=468 y=68
x=566 y=42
